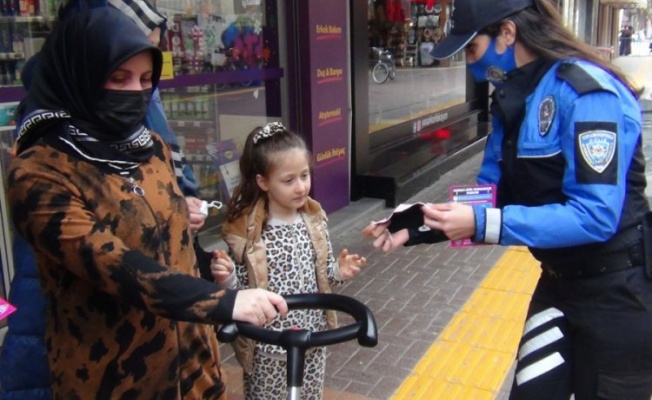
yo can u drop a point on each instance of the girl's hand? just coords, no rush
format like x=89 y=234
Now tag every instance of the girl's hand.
x=350 y=265
x=221 y=266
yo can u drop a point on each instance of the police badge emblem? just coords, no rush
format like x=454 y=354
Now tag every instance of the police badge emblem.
x=597 y=148
x=495 y=74
x=546 y=114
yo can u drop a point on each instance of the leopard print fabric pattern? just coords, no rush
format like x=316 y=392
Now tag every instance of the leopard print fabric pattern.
x=291 y=261
x=118 y=272
x=268 y=380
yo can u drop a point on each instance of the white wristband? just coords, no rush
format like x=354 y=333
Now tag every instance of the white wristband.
x=229 y=283
x=493 y=225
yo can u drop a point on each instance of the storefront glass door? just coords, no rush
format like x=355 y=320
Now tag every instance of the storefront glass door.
x=408 y=30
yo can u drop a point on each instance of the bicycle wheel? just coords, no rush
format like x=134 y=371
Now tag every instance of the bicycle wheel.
x=380 y=73
x=392 y=71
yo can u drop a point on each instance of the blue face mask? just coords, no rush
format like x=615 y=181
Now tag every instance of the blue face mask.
x=493 y=67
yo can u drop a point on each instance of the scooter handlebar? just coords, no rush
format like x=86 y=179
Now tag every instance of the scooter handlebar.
x=364 y=328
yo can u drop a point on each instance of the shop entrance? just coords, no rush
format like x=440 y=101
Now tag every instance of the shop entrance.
x=430 y=112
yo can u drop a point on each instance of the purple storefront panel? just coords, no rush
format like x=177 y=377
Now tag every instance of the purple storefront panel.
x=329 y=102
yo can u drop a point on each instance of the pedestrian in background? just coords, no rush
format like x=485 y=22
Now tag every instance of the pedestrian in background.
x=625 y=40
x=94 y=193
x=565 y=154
x=278 y=237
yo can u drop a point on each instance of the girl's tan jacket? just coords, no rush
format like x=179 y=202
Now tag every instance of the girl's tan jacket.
x=244 y=239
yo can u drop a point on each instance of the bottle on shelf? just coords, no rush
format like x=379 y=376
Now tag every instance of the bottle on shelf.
x=28 y=8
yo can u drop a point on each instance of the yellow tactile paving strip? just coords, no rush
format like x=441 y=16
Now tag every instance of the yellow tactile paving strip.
x=472 y=357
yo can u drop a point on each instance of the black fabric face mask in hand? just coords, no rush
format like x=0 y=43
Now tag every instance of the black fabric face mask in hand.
x=121 y=111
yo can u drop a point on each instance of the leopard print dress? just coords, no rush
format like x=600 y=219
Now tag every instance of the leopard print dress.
x=291 y=261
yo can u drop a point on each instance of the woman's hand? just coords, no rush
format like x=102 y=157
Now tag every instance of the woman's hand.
x=196 y=219
x=456 y=220
x=384 y=239
x=350 y=265
x=221 y=266
x=258 y=306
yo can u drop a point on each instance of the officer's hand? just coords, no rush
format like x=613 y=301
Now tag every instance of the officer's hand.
x=456 y=220
x=384 y=239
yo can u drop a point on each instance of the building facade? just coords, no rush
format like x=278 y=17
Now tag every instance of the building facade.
x=233 y=65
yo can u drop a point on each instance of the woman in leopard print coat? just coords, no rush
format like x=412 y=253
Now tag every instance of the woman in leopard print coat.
x=94 y=192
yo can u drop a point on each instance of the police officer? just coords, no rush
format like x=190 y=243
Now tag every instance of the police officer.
x=565 y=154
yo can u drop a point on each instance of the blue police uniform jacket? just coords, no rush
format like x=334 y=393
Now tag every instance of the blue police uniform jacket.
x=565 y=154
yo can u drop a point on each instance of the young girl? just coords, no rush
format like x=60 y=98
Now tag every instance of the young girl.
x=279 y=240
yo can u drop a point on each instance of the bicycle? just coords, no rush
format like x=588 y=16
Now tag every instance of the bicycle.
x=385 y=68
x=297 y=341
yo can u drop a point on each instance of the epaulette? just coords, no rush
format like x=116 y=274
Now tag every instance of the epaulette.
x=579 y=78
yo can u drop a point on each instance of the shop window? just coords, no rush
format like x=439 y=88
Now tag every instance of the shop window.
x=222 y=79
x=410 y=29
x=23 y=28
x=7 y=126
x=21 y=35
x=225 y=81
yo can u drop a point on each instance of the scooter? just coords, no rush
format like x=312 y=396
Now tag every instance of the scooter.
x=297 y=341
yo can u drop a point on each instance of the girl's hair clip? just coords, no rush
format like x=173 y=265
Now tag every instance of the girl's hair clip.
x=268 y=131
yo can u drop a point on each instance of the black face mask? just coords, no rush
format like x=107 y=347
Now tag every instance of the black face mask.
x=122 y=111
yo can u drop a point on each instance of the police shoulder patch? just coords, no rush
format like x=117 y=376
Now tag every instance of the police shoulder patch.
x=597 y=148
x=596 y=152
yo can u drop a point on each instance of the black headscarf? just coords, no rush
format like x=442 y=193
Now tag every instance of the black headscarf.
x=75 y=62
